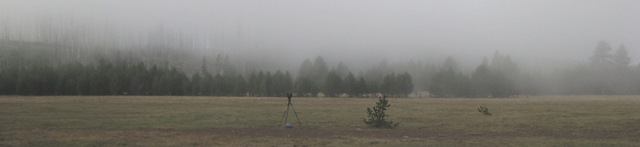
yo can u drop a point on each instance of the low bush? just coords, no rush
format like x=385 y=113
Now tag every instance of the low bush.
x=484 y=110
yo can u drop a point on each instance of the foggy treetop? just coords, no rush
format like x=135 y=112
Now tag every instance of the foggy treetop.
x=355 y=32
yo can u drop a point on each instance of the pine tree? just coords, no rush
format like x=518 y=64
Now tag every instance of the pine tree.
x=351 y=85
x=281 y=83
x=481 y=79
x=376 y=115
x=389 y=86
x=240 y=88
x=305 y=87
x=333 y=86
x=601 y=55
x=621 y=57
x=405 y=84
x=320 y=70
x=196 y=84
x=253 y=85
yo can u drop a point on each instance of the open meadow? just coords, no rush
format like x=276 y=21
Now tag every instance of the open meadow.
x=246 y=121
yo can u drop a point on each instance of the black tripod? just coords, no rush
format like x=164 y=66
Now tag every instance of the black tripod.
x=285 y=116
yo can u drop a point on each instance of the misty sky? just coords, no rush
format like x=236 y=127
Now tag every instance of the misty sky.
x=396 y=30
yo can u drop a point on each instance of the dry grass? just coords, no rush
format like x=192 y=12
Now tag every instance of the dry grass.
x=229 y=121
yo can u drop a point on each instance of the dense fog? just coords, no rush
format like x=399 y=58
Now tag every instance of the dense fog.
x=445 y=48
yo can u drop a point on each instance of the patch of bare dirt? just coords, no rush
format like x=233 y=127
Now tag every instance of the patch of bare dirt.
x=272 y=135
x=295 y=133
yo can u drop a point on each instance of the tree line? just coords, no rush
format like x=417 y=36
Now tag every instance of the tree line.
x=123 y=77
x=487 y=80
x=608 y=72
x=32 y=69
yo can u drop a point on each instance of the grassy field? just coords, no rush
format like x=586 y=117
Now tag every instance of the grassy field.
x=230 y=121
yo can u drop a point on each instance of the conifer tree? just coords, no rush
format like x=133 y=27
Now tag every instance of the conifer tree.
x=376 y=115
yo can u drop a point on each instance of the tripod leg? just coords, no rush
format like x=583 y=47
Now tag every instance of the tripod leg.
x=285 y=115
x=295 y=113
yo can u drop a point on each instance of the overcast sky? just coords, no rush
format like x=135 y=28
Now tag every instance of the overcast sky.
x=395 y=29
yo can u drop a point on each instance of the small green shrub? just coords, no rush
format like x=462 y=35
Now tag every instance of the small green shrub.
x=377 y=116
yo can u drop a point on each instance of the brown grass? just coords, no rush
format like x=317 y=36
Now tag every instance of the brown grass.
x=231 y=121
